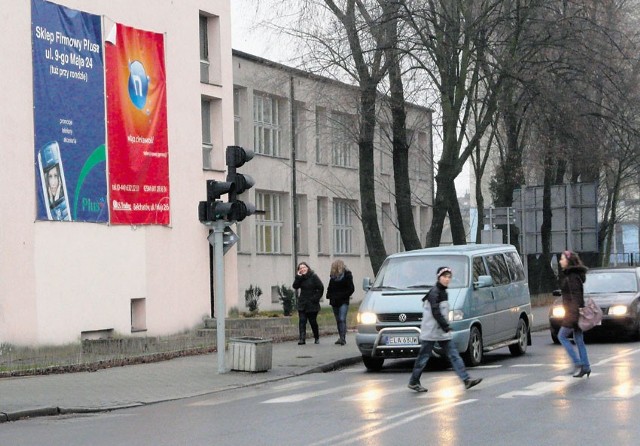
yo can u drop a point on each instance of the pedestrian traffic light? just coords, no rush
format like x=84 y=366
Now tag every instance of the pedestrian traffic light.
x=236 y=157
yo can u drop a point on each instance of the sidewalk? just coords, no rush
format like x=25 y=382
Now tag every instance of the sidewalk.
x=185 y=377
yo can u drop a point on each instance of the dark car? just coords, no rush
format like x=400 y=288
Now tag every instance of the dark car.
x=617 y=292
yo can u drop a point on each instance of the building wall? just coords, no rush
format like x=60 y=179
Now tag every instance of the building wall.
x=318 y=104
x=60 y=279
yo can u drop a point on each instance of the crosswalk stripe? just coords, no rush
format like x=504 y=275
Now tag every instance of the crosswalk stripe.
x=625 y=390
x=307 y=395
x=540 y=388
x=227 y=398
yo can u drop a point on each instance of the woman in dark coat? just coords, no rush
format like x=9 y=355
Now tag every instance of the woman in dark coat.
x=311 y=289
x=339 y=292
x=573 y=301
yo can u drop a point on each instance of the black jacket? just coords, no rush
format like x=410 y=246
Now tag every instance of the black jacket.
x=340 y=289
x=311 y=290
x=572 y=294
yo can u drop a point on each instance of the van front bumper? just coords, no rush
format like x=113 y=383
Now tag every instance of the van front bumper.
x=378 y=344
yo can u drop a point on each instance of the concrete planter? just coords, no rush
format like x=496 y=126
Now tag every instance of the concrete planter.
x=250 y=354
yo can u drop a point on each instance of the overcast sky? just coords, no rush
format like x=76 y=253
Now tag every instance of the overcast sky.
x=248 y=36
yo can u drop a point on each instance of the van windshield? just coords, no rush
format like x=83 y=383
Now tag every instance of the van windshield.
x=420 y=271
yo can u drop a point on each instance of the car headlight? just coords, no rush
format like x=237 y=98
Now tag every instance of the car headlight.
x=618 y=310
x=557 y=312
x=367 y=318
x=456 y=315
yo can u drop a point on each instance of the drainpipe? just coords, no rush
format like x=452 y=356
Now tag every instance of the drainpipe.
x=294 y=189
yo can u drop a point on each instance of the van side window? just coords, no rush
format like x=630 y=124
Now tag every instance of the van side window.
x=515 y=266
x=478 y=268
x=498 y=269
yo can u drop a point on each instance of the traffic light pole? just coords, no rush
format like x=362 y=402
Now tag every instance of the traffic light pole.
x=219 y=294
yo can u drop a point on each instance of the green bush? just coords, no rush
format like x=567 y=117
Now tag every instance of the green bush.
x=288 y=299
x=251 y=298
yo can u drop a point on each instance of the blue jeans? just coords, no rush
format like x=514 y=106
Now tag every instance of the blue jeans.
x=581 y=359
x=341 y=319
x=426 y=347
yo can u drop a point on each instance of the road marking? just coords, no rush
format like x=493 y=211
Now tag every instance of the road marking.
x=613 y=358
x=625 y=390
x=254 y=392
x=375 y=428
x=556 y=383
x=307 y=395
x=455 y=388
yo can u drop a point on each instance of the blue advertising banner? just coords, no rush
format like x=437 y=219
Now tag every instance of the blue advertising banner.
x=69 y=116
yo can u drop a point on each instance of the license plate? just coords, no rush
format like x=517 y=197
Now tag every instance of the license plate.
x=402 y=340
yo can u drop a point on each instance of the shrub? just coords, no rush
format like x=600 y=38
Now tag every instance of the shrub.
x=288 y=299
x=251 y=297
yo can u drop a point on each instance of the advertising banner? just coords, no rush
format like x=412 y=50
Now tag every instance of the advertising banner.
x=137 y=126
x=68 y=96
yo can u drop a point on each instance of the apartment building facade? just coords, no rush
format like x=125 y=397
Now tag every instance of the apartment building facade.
x=288 y=115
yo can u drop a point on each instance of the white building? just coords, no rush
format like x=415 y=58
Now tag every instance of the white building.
x=326 y=171
x=62 y=281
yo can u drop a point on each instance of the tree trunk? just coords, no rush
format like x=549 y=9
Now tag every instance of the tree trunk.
x=480 y=207
x=406 y=223
x=372 y=236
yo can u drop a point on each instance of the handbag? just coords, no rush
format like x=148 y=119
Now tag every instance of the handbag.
x=590 y=315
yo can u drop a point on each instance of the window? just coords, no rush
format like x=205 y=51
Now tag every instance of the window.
x=207 y=144
x=299 y=123
x=478 y=268
x=342 y=227
x=303 y=244
x=236 y=116
x=498 y=269
x=322 y=225
x=342 y=141
x=321 y=122
x=204 y=49
x=266 y=125
x=269 y=225
x=515 y=266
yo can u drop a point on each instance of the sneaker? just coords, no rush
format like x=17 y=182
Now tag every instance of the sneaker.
x=339 y=342
x=469 y=383
x=317 y=341
x=417 y=387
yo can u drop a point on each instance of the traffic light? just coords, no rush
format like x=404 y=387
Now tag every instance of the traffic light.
x=233 y=210
x=237 y=157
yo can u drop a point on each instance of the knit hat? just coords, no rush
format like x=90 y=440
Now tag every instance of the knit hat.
x=443 y=270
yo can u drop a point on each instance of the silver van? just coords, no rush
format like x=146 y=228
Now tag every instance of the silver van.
x=489 y=301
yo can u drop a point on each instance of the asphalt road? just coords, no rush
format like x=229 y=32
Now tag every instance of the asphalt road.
x=530 y=399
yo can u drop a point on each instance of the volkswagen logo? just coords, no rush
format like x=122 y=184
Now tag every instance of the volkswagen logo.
x=402 y=317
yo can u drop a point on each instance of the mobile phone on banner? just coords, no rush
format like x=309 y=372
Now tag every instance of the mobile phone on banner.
x=54 y=186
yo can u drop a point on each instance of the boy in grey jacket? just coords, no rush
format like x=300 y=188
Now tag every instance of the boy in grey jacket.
x=435 y=328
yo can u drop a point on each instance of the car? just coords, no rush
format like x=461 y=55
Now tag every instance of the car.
x=489 y=300
x=617 y=292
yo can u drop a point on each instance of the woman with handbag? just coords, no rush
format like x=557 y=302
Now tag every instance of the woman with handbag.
x=573 y=300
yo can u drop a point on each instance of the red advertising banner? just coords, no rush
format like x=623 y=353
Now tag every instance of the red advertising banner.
x=138 y=154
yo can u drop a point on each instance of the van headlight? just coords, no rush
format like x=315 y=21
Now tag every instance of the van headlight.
x=367 y=318
x=456 y=315
x=557 y=312
x=618 y=310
